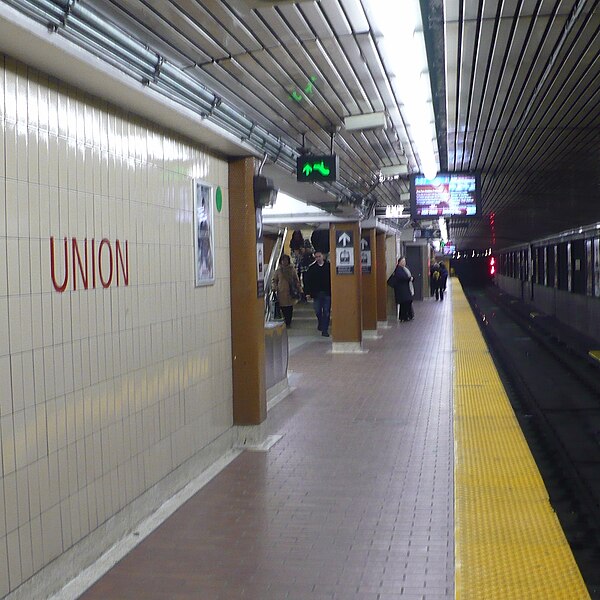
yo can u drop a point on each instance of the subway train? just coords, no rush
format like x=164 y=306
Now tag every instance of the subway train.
x=558 y=275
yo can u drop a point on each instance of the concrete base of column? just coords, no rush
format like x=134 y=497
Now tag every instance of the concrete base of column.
x=347 y=348
x=254 y=437
x=383 y=325
x=371 y=334
x=277 y=393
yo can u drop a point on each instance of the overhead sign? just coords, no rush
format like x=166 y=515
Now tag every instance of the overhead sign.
x=365 y=252
x=310 y=167
x=344 y=252
x=428 y=234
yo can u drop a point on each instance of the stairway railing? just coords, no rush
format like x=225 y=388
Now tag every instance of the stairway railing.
x=270 y=297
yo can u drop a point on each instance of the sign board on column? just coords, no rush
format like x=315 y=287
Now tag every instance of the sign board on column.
x=344 y=252
x=365 y=251
x=260 y=255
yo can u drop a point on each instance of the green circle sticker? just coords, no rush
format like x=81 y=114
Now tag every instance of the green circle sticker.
x=219 y=199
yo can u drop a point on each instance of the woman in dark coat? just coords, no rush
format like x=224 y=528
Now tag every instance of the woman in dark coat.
x=403 y=290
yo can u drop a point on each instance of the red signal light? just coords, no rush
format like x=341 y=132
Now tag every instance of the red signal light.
x=492 y=266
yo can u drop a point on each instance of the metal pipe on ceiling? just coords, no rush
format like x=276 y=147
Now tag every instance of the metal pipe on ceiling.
x=108 y=42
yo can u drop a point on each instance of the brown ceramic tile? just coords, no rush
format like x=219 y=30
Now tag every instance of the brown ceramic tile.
x=354 y=502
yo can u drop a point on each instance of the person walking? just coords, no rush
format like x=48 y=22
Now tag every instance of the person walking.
x=442 y=280
x=317 y=284
x=288 y=288
x=404 y=291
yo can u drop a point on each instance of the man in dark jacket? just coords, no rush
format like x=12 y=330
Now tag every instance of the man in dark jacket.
x=441 y=284
x=317 y=284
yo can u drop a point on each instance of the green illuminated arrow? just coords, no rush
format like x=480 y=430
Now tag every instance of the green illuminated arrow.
x=321 y=168
x=307 y=169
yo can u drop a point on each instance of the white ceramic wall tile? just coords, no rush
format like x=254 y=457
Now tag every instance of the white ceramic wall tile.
x=2 y=521
x=2 y=136
x=110 y=388
x=14 y=558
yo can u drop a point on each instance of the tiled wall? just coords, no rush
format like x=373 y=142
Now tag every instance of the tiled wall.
x=103 y=392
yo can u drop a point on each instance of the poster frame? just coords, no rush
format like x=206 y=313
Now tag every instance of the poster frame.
x=205 y=245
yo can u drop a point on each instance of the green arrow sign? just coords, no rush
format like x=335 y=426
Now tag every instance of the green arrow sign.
x=316 y=168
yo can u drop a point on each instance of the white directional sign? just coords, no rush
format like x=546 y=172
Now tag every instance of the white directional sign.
x=260 y=257
x=365 y=252
x=345 y=239
x=344 y=253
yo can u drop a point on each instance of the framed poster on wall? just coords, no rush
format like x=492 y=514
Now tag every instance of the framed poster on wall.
x=204 y=233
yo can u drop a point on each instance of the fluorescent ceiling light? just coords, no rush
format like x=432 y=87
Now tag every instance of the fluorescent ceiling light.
x=374 y=120
x=398 y=32
x=394 y=170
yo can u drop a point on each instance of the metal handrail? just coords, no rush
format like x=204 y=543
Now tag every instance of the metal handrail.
x=271 y=268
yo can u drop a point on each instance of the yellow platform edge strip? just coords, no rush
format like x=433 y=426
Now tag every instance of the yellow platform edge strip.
x=509 y=544
x=595 y=354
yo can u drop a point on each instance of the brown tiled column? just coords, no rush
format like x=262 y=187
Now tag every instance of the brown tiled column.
x=369 y=281
x=247 y=310
x=346 y=309
x=381 y=276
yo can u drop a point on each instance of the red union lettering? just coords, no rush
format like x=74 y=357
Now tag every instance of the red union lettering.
x=124 y=267
x=77 y=256
x=100 y=257
x=63 y=286
x=104 y=243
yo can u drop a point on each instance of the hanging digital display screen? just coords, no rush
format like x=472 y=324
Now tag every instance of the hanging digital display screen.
x=447 y=195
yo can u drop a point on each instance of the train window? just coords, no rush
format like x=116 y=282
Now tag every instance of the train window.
x=534 y=265
x=589 y=268
x=522 y=266
x=596 y=261
x=562 y=268
x=578 y=265
x=541 y=265
x=551 y=265
x=569 y=268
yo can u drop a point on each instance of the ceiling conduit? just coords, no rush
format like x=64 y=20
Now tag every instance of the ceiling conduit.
x=106 y=41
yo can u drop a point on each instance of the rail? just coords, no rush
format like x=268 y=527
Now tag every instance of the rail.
x=271 y=268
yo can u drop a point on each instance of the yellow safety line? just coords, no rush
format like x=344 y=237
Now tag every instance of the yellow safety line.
x=509 y=544
x=595 y=354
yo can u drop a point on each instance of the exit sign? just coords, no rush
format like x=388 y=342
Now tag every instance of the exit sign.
x=316 y=168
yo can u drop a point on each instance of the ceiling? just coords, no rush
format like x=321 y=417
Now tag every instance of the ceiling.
x=516 y=92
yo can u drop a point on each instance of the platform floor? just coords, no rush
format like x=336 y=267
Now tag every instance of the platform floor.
x=355 y=501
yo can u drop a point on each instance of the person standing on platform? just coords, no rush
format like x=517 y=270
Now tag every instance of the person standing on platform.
x=441 y=283
x=404 y=291
x=317 y=284
x=288 y=288
x=434 y=275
